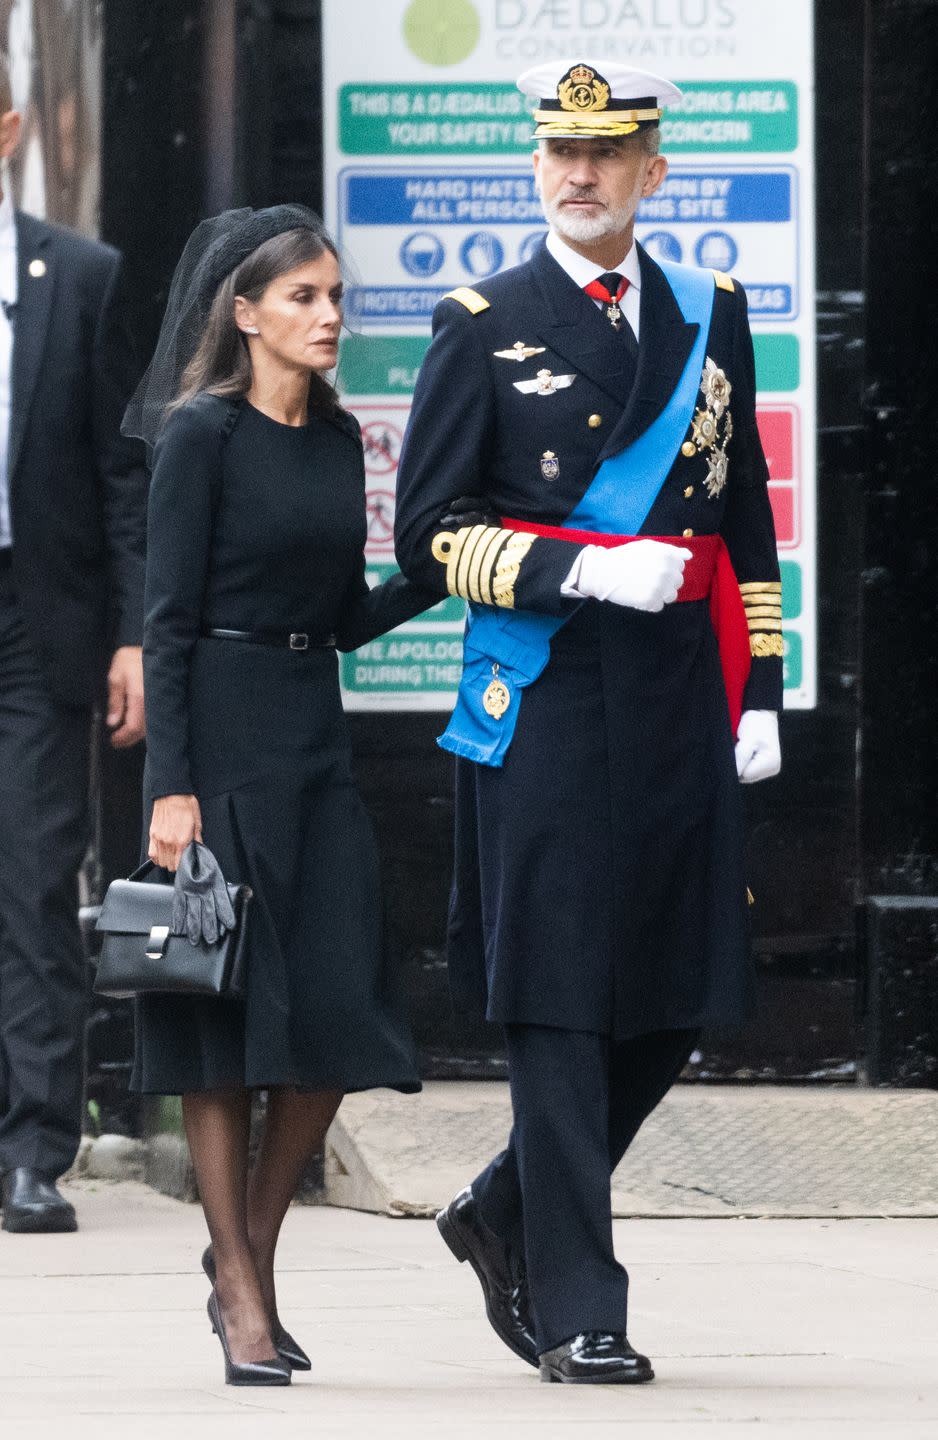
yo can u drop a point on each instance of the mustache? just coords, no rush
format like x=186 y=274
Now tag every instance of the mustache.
x=581 y=192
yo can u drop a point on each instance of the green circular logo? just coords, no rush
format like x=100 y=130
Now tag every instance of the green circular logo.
x=442 y=32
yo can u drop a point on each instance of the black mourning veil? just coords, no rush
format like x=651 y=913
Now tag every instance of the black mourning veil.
x=215 y=248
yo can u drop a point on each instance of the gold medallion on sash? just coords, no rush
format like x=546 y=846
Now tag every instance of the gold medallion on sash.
x=497 y=697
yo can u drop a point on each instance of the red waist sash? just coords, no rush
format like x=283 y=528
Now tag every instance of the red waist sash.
x=708 y=574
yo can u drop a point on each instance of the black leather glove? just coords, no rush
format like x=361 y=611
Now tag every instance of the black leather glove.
x=201 y=904
x=469 y=510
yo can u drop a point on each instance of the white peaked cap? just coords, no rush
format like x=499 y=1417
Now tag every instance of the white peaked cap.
x=595 y=99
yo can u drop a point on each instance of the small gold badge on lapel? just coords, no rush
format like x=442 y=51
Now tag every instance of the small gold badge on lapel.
x=37 y=268
x=550 y=465
x=519 y=351
x=497 y=698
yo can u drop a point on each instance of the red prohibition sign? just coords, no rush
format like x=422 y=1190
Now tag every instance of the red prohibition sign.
x=382 y=442
x=380 y=509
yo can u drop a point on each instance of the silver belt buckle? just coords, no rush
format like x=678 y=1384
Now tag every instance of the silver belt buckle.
x=299 y=640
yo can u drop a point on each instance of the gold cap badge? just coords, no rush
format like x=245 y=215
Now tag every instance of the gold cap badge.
x=582 y=89
x=598 y=100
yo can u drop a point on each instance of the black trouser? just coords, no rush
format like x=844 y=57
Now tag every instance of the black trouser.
x=44 y=770
x=578 y=1101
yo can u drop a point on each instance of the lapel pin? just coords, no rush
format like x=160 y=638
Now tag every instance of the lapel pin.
x=519 y=351
x=550 y=465
x=547 y=383
x=37 y=268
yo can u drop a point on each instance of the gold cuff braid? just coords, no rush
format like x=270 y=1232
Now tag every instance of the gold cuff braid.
x=762 y=600
x=508 y=567
x=762 y=645
x=482 y=562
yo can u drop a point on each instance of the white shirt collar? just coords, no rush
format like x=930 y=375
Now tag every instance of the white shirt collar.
x=7 y=216
x=583 y=271
x=9 y=279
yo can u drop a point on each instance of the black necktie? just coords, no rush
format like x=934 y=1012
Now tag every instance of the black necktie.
x=609 y=288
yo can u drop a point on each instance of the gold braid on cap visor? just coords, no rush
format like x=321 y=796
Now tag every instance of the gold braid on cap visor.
x=597 y=122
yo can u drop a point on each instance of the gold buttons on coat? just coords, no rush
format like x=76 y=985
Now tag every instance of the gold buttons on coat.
x=594 y=422
x=687 y=534
x=688 y=491
x=688 y=449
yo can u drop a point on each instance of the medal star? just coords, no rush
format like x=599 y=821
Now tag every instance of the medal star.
x=704 y=429
x=717 y=465
x=716 y=388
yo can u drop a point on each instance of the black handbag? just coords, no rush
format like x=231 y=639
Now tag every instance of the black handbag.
x=140 y=955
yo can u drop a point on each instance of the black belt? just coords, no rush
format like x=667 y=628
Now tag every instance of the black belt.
x=291 y=640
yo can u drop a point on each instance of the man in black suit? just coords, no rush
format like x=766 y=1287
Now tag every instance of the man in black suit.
x=72 y=536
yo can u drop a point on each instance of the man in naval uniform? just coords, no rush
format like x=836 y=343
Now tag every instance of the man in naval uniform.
x=599 y=905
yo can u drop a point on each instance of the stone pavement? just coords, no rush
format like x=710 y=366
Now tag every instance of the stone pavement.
x=759 y=1329
x=706 y=1151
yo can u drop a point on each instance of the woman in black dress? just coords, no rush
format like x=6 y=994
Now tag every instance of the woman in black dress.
x=257 y=527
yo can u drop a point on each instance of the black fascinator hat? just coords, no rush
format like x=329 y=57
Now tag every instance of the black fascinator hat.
x=214 y=250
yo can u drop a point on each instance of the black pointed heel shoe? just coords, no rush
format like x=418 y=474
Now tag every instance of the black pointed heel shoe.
x=284 y=1343
x=251 y=1372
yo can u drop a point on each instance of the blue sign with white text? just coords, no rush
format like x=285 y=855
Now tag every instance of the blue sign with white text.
x=451 y=227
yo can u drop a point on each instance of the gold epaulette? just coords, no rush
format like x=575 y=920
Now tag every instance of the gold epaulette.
x=483 y=562
x=724 y=281
x=762 y=600
x=473 y=301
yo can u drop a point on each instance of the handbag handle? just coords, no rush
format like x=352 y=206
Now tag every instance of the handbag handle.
x=142 y=870
x=146 y=868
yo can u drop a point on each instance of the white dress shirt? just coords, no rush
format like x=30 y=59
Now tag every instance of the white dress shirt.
x=583 y=272
x=8 y=296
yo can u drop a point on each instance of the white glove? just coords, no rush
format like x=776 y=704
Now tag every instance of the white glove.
x=643 y=574
x=758 y=754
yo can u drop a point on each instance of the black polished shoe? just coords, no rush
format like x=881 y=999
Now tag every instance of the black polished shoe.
x=32 y=1205
x=250 y=1372
x=284 y=1343
x=595 y=1358
x=506 y=1296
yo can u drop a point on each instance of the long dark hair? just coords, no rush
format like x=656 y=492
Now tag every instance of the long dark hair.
x=221 y=364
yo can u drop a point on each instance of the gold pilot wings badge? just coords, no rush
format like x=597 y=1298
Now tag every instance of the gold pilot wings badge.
x=519 y=351
x=546 y=383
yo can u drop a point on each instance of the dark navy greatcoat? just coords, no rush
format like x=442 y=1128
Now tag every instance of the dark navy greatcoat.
x=599 y=878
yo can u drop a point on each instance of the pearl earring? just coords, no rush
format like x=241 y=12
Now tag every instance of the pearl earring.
x=251 y=330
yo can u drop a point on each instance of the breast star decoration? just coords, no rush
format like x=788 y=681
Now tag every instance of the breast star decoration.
x=706 y=426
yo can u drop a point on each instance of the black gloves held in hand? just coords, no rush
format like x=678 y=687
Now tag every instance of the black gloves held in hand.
x=201 y=905
x=469 y=510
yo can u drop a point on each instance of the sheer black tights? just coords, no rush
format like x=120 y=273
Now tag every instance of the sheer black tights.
x=244 y=1208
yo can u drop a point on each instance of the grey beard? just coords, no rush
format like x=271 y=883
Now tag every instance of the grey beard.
x=583 y=228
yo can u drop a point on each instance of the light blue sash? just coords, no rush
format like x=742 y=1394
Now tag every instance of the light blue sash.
x=617 y=503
